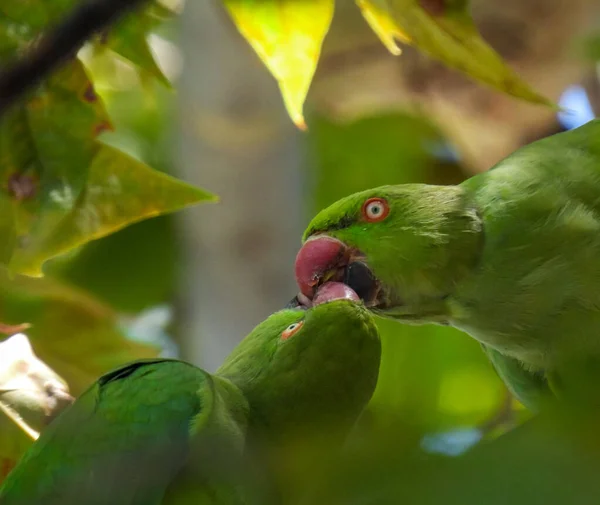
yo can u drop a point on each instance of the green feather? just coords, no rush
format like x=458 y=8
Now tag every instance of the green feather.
x=165 y=432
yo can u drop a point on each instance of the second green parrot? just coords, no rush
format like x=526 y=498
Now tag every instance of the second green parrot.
x=510 y=256
x=165 y=432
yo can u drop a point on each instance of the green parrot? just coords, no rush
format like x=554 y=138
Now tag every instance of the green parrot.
x=510 y=256
x=162 y=431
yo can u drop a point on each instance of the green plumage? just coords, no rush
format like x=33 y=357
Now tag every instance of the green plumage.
x=511 y=256
x=165 y=432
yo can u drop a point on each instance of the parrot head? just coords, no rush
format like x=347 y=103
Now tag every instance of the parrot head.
x=401 y=249
x=309 y=368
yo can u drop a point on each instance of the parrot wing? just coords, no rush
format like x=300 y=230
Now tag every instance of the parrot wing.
x=123 y=442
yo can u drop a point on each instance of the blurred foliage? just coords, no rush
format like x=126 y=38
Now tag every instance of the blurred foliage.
x=445 y=30
x=287 y=35
x=592 y=47
x=61 y=187
x=148 y=265
x=551 y=460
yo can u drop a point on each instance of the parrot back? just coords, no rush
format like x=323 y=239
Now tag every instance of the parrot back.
x=125 y=441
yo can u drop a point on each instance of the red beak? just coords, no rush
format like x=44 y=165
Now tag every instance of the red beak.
x=317 y=257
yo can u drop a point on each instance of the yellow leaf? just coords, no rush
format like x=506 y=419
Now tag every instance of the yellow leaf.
x=287 y=35
x=377 y=16
x=445 y=31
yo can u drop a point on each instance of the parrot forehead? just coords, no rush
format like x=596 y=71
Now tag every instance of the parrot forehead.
x=274 y=342
x=336 y=305
x=278 y=321
x=345 y=212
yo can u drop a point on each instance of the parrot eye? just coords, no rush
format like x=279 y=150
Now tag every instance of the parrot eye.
x=375 y=209
x=291 y=330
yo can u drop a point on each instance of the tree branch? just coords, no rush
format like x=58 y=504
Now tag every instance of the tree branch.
x=58 y=45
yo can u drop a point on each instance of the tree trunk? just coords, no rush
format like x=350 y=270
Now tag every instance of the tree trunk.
x=237 y=141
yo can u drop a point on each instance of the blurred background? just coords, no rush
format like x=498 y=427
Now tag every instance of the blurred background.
x=194 y=283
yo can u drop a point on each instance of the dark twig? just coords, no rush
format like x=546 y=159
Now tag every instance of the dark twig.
x=58 y=45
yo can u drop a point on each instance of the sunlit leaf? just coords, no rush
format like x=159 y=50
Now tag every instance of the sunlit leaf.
x=46 y=147
x=119 y=191
x=287 y=36
x=129 y=38
x=445 y=31
x=377 y=16
x=74 y=334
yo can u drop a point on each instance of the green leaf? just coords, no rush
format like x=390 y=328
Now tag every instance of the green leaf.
x=445 y=31
x=119 y=191
x=129 y=38
x=73 y=333
x=46 y=147
x=376 y=14
x=287 y=36
x=100 y=266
